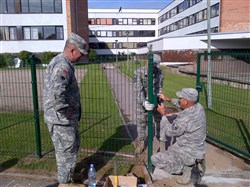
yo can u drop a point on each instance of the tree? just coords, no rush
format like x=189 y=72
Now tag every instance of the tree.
x=92 y=55
x=24 y=56
x=46 y=57
x=9 y=60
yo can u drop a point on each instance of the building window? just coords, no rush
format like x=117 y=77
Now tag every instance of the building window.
x=8 y=33
x=24 y=6
x=46 y=6
x=35 y=6
x=43 y=33
x=215 y=10
x=30 y=6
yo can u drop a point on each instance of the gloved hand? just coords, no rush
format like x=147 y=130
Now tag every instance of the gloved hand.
x=148 y=106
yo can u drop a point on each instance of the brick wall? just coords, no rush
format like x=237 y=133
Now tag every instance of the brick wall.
x=235 y=15
x=179 y=56
x=77 y=18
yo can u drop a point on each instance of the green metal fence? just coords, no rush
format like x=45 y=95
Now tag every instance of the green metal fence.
x=225 y=84
x=108 y=119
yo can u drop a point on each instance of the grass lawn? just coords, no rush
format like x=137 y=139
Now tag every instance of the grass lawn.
x=101 y=124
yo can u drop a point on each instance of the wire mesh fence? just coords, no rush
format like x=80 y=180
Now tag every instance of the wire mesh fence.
x=228 y=119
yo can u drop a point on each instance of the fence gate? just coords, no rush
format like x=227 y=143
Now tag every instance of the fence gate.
x=226 y=97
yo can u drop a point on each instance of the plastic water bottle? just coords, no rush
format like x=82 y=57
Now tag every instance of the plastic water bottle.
x=92 y=176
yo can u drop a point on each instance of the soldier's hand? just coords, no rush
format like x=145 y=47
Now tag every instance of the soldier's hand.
x=148 y=106
x=163 y=97
x=161 y=109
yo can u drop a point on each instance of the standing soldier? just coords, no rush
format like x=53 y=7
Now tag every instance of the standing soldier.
x=140 y=85
x=62 y=107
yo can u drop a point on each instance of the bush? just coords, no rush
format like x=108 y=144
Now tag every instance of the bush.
x=92 y=55
x=2 y=61
x=9 y=60
x=46 y=57
x=24 y=56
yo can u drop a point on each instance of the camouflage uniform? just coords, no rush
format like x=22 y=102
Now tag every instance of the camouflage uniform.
x=190 y=129
x=140 y=85
x=62 y=113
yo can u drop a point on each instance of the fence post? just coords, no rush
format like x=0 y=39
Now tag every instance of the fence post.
x=35 y=105
x=150 y=113
x=198 y=75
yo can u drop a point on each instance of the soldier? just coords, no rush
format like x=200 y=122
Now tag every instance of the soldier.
x=62 y=107
x=189 y=127
x=140 y=85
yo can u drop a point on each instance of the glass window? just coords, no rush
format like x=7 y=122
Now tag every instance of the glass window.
x=24 y=6
x=11 y=6
x=140 y=21
x=103 y=33
x=58 y=6
x=26 y=33
x=109 y=33
x=35 y=6
x=191 y=20
x=4 y=33
x=109 y=21
x=34 y=33
x=110 y=45
x=192 y=2
x=125 y=21
x=49 y=33
x=48 y=6
x=98 y=33
x=215 y=10
x=103 y=21
x=3 y=8
x=130 y=21
x=120 y=21
x=114 y=33
x=98 y=21
x=173 y=12
x=59 y=33
x=134 y=21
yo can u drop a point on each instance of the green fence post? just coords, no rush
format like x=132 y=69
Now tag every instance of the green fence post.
x=150 y=113
x=35 y=105
x=198 y=74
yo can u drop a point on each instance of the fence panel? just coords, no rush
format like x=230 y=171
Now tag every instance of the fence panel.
x=228 y=119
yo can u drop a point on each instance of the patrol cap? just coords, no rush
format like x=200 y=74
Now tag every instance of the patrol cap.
x=157 y=60
x=188 y=93
x=79 y=42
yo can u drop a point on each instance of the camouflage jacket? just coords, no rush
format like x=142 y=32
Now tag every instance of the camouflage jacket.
x=61 y=93
x=190 y=129
x=140 y=83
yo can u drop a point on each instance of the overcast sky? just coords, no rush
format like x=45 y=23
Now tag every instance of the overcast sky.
x=151 y=4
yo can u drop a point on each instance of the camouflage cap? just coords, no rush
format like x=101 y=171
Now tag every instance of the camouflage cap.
x=79 y=42
x=157 y=60
x=188 y=93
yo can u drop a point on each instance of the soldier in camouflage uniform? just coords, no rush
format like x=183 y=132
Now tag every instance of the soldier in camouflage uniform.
x=140 y=85
x=190 y=129
x=62 y=107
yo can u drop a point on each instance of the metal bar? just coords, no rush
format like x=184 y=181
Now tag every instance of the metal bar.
x=35 y=105
x=150 y=113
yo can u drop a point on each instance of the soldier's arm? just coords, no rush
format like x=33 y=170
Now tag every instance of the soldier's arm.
x=61 y=76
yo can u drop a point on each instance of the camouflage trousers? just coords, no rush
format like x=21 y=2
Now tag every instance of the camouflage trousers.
x=142 y=123
x=66 y=142
x=172 y=161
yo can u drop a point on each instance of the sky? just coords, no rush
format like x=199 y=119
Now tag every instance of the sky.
x=151 y=4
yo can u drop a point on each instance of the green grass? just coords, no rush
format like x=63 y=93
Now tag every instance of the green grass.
x=100 y=125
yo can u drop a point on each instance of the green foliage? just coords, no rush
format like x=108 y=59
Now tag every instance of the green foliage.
x=9 y=59
x=24 y=56
x=2 y=61
x=46 y=57
x=6 y=60
x=92 y=54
